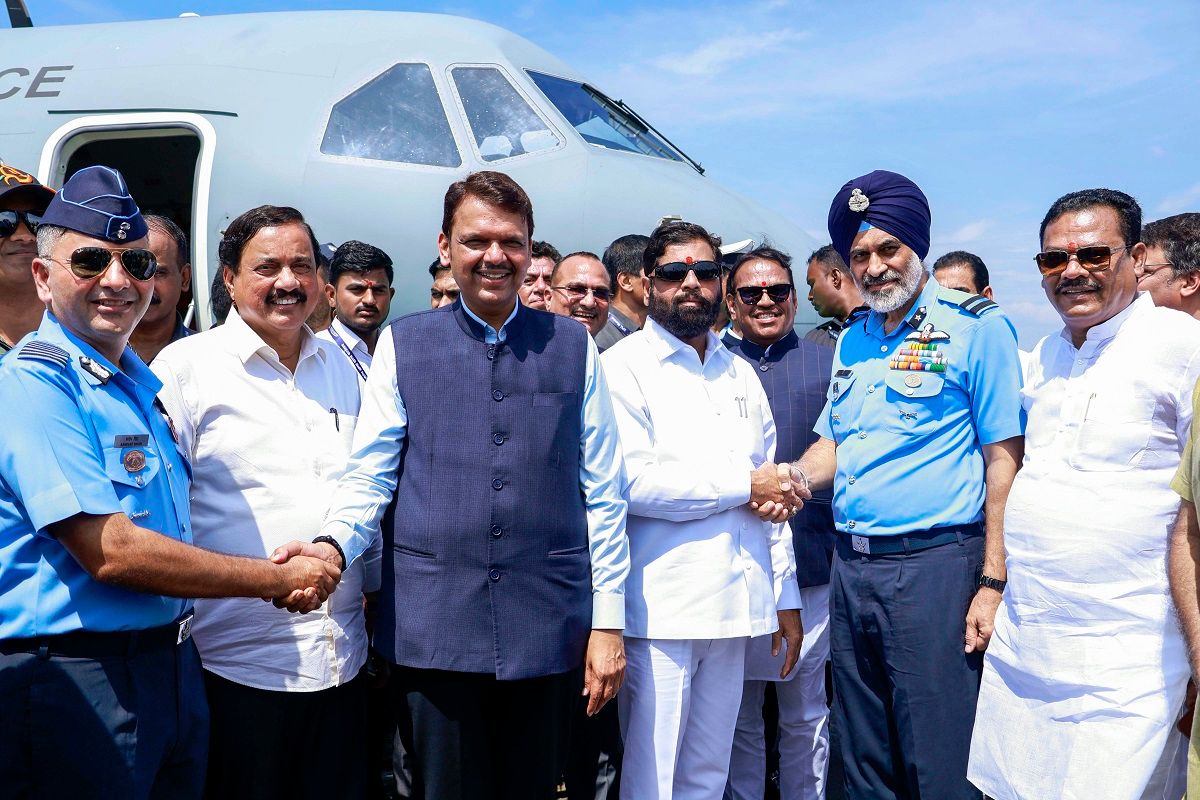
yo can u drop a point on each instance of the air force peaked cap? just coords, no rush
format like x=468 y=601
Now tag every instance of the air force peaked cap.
x=885 y=200
x=96 y=203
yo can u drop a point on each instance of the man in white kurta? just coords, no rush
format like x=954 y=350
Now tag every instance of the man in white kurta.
x=706 y=573
x=1085 y=675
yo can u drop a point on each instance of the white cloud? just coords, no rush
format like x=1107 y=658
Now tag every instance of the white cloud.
x=1177 y=203
x=717 y=55
x=969 y=232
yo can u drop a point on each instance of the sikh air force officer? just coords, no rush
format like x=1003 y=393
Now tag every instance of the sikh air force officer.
x=795 y=376
x=504 y=530
x=921 y=438
x=22 y=202
x=100 y=679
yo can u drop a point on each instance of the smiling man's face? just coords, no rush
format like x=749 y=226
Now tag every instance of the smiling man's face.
x=488 y=252
x=765 y=321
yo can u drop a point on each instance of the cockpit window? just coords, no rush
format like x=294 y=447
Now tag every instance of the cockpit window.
x=395 y=117
x=502 y=122
x=600 y=120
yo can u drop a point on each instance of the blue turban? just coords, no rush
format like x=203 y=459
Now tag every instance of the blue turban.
x=885 y=200
x=96 y=202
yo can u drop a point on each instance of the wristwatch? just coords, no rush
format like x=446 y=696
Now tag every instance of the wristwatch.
x=992 y=583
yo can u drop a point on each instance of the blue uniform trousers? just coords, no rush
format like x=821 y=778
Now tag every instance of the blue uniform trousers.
x=122 y=726
x=904 y=691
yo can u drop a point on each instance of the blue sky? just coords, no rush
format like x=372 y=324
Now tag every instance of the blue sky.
x=994 y=109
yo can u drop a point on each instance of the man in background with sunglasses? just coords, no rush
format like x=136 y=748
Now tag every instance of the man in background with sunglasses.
x=795 y=376
x=1171 y=273
x=22 y=202
x=920 y=438
x=100 y=680
x=1086 y=674
x=579 y=289
x=707 y=574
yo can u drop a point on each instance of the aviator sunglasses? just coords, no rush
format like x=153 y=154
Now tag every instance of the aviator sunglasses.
x=10 y=219
x=1094 y=258
x=676 y=271
x=751 y=295
x=88 y=262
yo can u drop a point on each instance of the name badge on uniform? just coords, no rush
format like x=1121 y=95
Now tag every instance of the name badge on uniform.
x=861 y=544
x=131 y=440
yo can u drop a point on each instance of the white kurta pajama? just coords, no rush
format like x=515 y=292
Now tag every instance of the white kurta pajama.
x=706 y=573
x=1086 y=670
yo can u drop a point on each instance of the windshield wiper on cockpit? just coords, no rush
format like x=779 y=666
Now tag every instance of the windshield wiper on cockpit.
x=605 y=100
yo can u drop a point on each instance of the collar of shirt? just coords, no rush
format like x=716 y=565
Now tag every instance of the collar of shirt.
x=1106 y=330
x=352 y=339
x=925 y=299
x=756 y=351
x=53 y=331
x=490 y=334
x=246 y=343
x=666 y=346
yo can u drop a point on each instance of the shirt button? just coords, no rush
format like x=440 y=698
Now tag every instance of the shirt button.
x=883 y=348
x=497 y=395
x=762 y=367
x=497 y=484
x=498 y=438
x=852 y=479
x=870 y=390
x=170 y=468
x=494 y=575
x=862 y=435
x=491 y=352
x=850 y=524
x=497 y=531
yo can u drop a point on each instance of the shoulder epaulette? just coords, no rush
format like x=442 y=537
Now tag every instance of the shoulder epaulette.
x=976 y=304
x=38 y=350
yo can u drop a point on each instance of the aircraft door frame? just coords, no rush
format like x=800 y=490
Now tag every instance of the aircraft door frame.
x=56 y=153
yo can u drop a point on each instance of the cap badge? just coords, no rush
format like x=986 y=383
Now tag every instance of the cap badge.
x=859 y=202
x=134 y=461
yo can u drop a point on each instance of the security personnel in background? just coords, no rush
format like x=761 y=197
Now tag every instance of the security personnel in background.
x=22 y=202
x=921 y=438
x=101 y=686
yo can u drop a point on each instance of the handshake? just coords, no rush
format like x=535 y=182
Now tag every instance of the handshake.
x=778 y=491
x=308 y=574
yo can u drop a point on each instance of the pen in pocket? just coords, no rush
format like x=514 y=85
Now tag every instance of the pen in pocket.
x=337 y=423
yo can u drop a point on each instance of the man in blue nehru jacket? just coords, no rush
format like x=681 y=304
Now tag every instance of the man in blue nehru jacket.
x=487 y=446
x=100 y=686
x=920 y=437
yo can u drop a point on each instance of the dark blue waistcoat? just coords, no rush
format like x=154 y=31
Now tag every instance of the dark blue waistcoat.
x=795 y=375
x=487 y=532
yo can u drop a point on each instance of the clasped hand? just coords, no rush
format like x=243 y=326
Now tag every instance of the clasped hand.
x=774 y=496
x=309 y=574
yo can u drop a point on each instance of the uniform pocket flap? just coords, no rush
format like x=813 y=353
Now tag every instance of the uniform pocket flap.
x=840 y=384
x=131 y=466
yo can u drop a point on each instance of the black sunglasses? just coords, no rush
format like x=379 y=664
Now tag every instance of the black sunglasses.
x=10 y=219
x=1094 y=258
x=676 y=271
x=750 y=295
x=88 y=262
x=576 y=292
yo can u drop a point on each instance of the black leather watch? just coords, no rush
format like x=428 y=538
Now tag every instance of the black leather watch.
x=992 y=583
x=329 y=540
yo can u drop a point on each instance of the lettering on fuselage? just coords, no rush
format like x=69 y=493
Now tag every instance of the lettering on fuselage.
x=16 y=81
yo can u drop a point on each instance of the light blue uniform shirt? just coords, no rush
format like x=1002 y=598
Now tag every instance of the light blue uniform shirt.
x=74 y=443
x=909 y=442
x=363 y=494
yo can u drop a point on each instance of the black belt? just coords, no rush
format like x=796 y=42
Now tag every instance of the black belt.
x=852 y=544
x=90 y=644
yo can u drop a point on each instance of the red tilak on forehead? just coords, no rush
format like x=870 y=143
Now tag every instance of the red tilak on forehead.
x=762 y=283
x=687 y=260
x=1072 y=247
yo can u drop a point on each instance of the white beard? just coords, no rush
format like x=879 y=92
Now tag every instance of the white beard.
x=887 y=300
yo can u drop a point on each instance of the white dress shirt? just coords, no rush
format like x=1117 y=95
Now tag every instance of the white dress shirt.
x=1085 y=673
x=360 y=501
x=267 y=447
x=355 y=351
x=703 y=565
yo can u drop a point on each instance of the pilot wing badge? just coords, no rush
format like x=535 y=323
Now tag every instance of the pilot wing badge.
x=924 y=349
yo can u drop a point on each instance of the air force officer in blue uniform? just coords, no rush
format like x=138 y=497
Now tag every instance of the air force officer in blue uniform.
x=100 y=683
x=921 y=437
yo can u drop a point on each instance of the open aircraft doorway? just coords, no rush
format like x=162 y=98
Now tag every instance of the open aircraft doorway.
x=166 y=160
